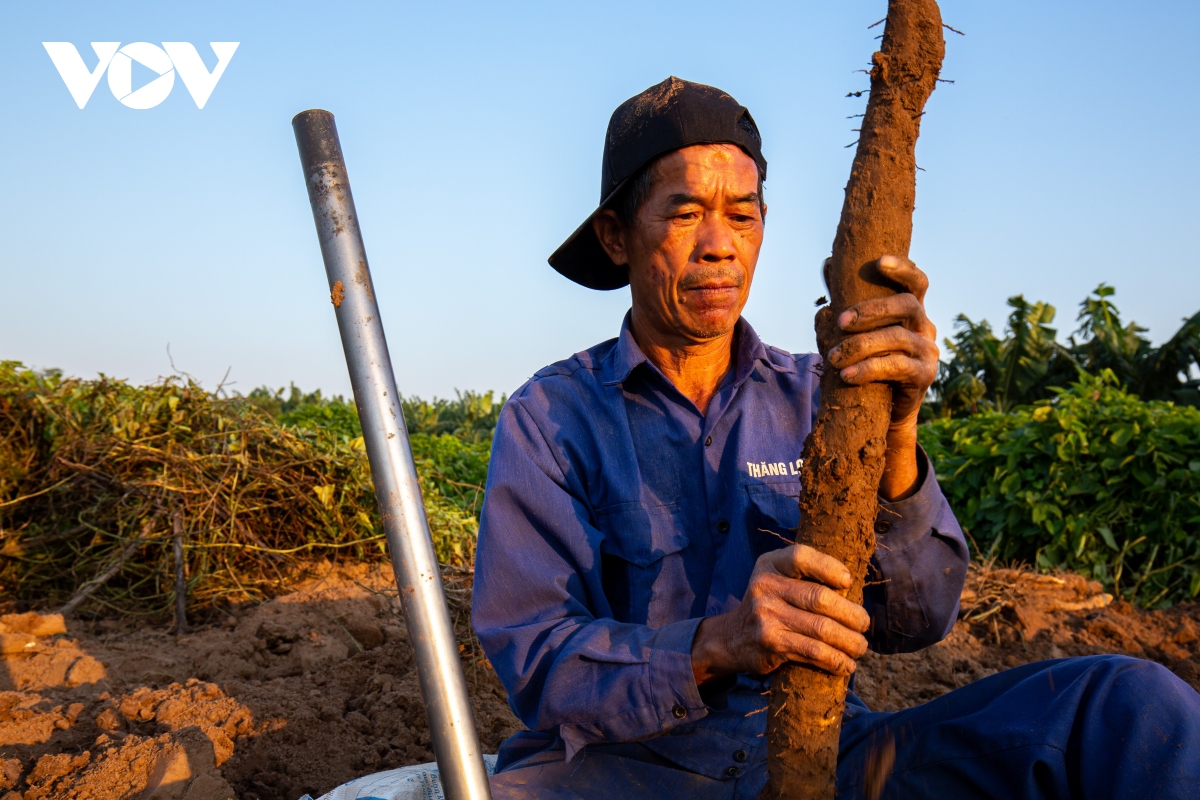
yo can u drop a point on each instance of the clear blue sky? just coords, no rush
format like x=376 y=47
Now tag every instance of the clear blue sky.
x=1064 y=155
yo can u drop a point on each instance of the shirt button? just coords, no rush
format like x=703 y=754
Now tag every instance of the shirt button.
x=679 y=711
x=723 y=526
x=732 y=772
x=882 y=526
x=708 y=442
x=740 y=756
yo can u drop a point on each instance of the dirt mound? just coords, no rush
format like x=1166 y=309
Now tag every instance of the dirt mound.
x=317 y=687
x=65 y=735
x=173 y=766
x=294 y=695
x=1013 y=617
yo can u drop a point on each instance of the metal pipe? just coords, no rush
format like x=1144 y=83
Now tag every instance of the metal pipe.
x=443 y=687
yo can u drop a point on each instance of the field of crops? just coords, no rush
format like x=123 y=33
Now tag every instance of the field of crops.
x=112 y=493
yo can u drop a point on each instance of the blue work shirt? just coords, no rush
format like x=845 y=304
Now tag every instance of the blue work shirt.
x=617 y=517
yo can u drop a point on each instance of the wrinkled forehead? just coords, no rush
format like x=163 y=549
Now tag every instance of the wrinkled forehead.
x=710 y=167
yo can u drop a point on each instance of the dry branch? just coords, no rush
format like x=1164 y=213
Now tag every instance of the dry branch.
x=89 y=588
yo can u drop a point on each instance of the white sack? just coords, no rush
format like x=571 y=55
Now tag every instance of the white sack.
x=418 y=782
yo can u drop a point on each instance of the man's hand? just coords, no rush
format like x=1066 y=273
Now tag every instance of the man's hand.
x=791 y=612
x=893 y=342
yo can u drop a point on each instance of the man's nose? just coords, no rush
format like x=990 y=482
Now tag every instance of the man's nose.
x=714 y=240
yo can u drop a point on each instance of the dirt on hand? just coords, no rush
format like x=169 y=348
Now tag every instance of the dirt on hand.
x=318 y=687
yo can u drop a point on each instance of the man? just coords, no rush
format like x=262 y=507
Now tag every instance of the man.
x=637 y=580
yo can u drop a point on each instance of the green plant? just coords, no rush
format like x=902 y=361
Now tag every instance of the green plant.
x=1150 y=372
x=1093 y=480
x=471 y=416
x=986 y=372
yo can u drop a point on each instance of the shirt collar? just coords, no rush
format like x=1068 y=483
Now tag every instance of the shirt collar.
x=627 y=355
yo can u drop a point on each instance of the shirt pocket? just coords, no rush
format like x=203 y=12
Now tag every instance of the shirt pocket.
x=774 y=515
x=642 y=562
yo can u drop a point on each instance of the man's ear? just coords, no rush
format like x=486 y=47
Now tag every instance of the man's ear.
x=611 y=234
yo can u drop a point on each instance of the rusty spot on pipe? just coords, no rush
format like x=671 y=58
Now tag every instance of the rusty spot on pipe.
x=338 y=294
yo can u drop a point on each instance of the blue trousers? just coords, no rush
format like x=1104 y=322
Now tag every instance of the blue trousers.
x=1094 y=727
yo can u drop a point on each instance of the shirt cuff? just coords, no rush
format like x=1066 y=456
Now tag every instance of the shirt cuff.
x=674 y=698
x=676 y=695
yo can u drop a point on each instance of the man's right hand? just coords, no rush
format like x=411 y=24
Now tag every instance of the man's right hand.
x=792 y=611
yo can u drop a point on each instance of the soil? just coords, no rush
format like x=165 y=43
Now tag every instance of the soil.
x=316 y=687
x=295 y=695
x=1012 y=617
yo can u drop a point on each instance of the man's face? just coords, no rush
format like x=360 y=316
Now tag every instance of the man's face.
x=692 y=249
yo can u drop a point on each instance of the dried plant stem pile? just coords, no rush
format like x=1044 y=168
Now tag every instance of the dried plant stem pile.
x=98 y=478
x=996 y=596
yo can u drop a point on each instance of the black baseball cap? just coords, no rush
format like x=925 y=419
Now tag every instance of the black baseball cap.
x=666 y=117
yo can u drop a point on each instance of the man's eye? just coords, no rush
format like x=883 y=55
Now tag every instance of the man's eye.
x=687 y=216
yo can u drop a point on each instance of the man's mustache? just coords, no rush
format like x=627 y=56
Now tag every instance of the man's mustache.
x=724 y=275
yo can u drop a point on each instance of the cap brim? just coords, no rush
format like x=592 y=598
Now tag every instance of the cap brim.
x=581 y=258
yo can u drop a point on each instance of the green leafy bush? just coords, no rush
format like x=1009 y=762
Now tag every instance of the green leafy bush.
x=987 y=372
x=471 y=416
x=1093 y=480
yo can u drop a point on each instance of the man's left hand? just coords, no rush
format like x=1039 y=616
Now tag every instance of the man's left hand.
x=892 y=341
